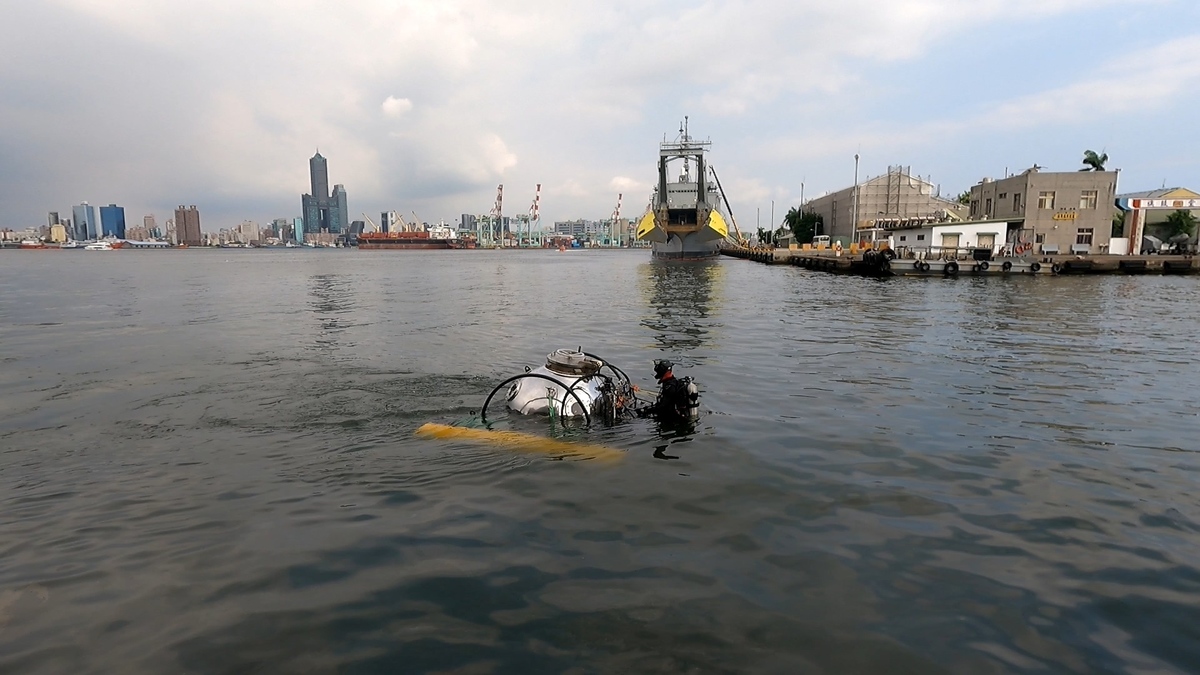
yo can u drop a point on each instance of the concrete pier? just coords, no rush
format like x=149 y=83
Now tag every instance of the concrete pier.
x=884 y=264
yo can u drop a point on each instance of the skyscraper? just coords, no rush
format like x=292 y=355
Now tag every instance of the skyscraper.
x=85 y=221
x=323 y=212
x=112 y=221
x=187 y=226
x=52 y=219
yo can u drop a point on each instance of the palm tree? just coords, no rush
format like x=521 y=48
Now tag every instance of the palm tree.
x=1094 y=162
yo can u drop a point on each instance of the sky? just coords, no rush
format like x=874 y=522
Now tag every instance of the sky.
x=425 y=107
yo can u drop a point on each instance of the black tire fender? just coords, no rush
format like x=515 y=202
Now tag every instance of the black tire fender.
x=1035 y=267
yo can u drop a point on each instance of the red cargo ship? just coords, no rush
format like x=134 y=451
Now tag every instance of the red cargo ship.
x=438 y=238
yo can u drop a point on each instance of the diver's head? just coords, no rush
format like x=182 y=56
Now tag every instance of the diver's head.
x=662 y=368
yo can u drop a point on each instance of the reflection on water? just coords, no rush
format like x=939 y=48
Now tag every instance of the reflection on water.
x=332 y=305
x=681 y=299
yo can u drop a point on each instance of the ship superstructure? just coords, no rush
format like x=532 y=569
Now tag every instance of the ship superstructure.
x=684 y=219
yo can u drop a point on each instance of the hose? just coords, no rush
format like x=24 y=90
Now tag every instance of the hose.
x=587 y=418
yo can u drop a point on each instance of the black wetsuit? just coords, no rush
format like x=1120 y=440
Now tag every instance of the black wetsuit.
x=674 y=402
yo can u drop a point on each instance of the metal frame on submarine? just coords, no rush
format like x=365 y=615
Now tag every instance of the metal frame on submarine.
x=578 y=387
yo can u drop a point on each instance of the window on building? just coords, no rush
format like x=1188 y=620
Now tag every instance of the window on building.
x=1083 y=236
x=1002 y=195
x=903 y=238
x=1046 y=200
x=1016 y=201
x=1087 y=199
x=988 y=211
x=1039 y=238
x=920 y=237
x=974 y=207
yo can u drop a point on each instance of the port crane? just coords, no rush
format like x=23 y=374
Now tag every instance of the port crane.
x=374 y=227
x=737 y=234
x=615 y=235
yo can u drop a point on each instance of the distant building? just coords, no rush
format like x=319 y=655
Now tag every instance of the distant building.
x=581 y=227
x=112 y=221
x=894 y=196
x=169 y=234
x=1055 y=212
x=187 y=226
x=323 y=212
x=1145 y=215
x=58 y=233
x=389 y=221
x=151 y=224
x=298 y=229
x=52 y=219
x=85 y=222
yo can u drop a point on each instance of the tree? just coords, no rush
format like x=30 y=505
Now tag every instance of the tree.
x=1118 y=223
x=804 y=225
x=1094 y=162
x=964 y=198
x=761 y=236
x=1181 y=222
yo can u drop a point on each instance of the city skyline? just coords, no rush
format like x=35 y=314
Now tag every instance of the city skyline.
x=427 y=108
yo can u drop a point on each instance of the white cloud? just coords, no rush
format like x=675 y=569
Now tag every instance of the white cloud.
x=522 y=92
x=396 y=107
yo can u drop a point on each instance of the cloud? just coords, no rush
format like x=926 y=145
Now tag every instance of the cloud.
x=396 y=107
x=227 y=111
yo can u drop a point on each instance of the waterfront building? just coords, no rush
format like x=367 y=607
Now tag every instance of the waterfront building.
x=298 y=229
x=187 y=226
x=1145 y=215
x=58 y=233
x=112 y=221
x=891 y=197
x=150 y=223
x=169 y=233
x=52 y=219
x=323 y=211
x=85 y=221
x=1052 y=212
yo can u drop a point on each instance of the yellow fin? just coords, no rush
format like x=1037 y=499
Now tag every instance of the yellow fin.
x=716 y=223
x=521 y=442
x=648 y=229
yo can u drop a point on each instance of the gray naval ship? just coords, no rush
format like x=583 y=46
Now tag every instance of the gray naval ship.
x=684 y=220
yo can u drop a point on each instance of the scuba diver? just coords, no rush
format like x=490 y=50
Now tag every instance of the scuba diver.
x=678 y=398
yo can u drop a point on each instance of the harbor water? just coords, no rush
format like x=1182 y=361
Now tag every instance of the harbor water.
x=208 y=465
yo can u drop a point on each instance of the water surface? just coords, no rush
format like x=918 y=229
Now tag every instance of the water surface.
x=207 y=465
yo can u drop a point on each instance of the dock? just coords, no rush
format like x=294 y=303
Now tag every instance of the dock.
x=884 y=263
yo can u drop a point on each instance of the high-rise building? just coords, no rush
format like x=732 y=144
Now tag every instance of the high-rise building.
x=187 y=226
x=52 y=219
x=85 y=221
x=151 y=224
x=170 y=231
x=112 y=221
x=323 y=212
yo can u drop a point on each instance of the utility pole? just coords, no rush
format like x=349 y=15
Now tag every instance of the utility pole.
x=854 y=224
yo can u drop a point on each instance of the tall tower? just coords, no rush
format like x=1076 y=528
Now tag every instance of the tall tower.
x=112 y=221
x=187 y=226
x=323 y=212
x=85 y=221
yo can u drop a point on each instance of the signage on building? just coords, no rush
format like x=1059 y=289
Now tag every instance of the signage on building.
x=1066 y=215
x=1164 y=203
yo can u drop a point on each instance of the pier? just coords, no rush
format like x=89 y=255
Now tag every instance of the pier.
x=884 y=263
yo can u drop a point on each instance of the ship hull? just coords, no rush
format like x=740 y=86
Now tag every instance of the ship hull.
x=690 y=247
x=409 y=245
